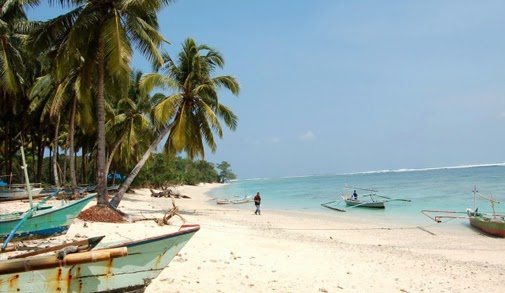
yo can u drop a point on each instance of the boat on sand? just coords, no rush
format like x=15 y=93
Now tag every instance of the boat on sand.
x=18 y=193
x=245 y=199
x=489 y=223
x=42 y=220
x=120 y=267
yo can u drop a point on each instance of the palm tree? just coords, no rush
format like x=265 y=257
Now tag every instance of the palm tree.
x=131 y=125
x=192 y=113
x=98 y=34
x=14 y=27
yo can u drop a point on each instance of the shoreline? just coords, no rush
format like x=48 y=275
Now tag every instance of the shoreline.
x=285 y=251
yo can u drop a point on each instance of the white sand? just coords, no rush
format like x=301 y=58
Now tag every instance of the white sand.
x=237 y=251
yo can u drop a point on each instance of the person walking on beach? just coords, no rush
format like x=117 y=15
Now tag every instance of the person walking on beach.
x=257 y=203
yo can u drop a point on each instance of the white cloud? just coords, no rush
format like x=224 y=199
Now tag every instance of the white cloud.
x=308 y=135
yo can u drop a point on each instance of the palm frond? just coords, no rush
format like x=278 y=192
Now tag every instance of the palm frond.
x=154 y=80
x=117 y=47
x=164 y=111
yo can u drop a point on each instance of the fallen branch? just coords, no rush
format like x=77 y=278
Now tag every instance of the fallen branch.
x=170 y=213
x=174 y=211
x=167 y=193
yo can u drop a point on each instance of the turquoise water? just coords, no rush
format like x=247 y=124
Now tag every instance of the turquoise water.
x=434 y=189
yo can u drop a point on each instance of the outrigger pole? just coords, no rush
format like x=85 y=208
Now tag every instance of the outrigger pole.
x=491 y=200
x=359 y=188
x=27 y=179
x=437 y=218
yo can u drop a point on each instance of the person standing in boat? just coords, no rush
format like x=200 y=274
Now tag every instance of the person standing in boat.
x=257 y=203
x=354 y=195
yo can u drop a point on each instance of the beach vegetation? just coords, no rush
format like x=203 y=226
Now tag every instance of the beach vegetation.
x=190 y=115
x=160 y=172
x=225 y=173
x=69 y=96
x=97 y=36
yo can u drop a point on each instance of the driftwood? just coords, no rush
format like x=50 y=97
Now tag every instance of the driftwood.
x=170 y=213
x=167 y=193
x=174 y=211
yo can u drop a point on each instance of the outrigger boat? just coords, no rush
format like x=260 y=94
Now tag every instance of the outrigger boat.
x=9 y=191
x=373 y=200
x=18 y=193
x=245 y=199
x=493 y=224
x=78 y=267
x=40 y=221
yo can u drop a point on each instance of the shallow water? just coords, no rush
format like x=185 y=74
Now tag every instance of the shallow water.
x=433 y=189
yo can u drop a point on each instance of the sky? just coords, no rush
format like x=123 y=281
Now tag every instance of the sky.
x=341 y=86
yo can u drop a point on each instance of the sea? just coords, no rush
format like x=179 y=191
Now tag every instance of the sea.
x=443 y=189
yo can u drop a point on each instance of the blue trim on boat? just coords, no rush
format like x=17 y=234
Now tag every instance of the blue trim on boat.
x=44 y=233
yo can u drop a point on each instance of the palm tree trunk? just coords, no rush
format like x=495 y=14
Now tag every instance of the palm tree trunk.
x=55 y=154
x=40 y=156
x=101 y=179
x=126 y=184
x=84 y=163
x=71 y=157
x=64 y=177
x=111 y=156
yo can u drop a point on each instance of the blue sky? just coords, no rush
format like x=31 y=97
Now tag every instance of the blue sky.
x=349 y=86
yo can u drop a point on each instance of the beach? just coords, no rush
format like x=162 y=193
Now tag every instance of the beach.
x=279 y=251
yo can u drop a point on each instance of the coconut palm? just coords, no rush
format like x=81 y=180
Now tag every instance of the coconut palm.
x=131 y=125
x=14 y=27
x=55 y=97
x=190 y=115
x=99 y=34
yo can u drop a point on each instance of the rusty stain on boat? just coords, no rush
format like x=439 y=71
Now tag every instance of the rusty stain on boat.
x=13 y=282
x=58 y=278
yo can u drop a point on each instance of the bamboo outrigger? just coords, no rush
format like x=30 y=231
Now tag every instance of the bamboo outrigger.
x=375 y=201
x=120 y=267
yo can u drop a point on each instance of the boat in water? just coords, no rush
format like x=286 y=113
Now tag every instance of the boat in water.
x=371 y=203
x=120 y=267
x=368 y=200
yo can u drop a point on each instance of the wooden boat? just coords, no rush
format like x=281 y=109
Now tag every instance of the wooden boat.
x=378 y=204
x=41 y=221
x=123 y=267
x=369 y=200
x=245 y=199
x=492 y=224
x=11 y=191
x=18 y=193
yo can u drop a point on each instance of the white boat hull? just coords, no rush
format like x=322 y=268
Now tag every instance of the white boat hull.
x=18 y=193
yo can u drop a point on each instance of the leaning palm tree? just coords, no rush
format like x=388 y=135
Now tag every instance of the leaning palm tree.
x=191 y=114
x=98 y=34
